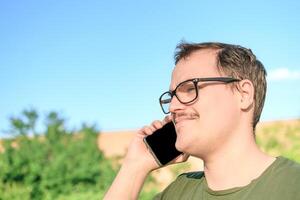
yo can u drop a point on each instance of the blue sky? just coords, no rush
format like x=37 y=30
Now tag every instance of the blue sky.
x=107 y=62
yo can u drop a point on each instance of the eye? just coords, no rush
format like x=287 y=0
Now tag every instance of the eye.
x=190 y=89
x=186 y=87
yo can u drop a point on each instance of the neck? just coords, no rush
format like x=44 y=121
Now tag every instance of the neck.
x=236 y=164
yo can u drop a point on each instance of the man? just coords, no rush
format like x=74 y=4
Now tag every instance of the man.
x=215 y=121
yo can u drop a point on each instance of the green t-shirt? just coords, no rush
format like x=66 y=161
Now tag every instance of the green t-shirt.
x=280 y=181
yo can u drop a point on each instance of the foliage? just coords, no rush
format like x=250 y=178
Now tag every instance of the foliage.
x=24 y=124
x=281 y=138
x=57 y=165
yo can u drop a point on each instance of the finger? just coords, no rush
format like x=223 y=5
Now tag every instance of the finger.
x=146 y=130
x=167 y=119
x=157 y=124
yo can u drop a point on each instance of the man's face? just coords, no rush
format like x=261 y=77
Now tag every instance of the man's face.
x=205 y=124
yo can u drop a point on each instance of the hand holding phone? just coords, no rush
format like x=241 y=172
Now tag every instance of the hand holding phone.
x=162 y=144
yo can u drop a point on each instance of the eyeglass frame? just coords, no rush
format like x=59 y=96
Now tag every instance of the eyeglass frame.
x=195 y=81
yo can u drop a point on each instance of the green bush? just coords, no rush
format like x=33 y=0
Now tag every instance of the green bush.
x=56 y=165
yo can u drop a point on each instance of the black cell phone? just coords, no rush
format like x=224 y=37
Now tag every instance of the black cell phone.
x=162 y=144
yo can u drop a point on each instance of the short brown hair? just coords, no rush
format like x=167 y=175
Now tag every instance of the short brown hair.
x=237 y=62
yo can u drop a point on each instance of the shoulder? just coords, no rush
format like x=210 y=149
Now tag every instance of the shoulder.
x=285 y=177
x=287 y=167
x=189 y=178
x=192 y=175
x=184 y=184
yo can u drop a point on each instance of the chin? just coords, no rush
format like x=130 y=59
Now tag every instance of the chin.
x=187 y=142
x=180 y=145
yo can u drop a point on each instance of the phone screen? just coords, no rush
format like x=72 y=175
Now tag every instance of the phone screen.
x=162 y=144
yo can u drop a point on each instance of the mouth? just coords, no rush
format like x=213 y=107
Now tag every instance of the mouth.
x=180 y=120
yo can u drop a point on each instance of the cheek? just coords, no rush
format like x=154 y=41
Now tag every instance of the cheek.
x=188 y=135
x=217 y=110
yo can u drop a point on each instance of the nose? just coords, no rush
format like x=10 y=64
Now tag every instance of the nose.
x=175 y=105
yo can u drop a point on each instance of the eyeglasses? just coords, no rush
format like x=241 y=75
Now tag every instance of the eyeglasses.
x=187 y=91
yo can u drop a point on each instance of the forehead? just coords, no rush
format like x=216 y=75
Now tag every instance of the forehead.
x=199 y=64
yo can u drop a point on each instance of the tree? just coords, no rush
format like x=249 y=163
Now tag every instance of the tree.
x=25 y=123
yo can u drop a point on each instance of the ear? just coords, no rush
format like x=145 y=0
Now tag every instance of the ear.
x=246 y=94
